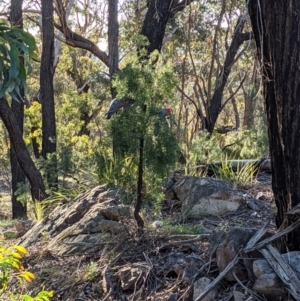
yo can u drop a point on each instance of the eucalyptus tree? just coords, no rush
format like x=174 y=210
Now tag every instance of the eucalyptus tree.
x=19 y=209
x=276 y=30
x=13 y=76
x=47 y=94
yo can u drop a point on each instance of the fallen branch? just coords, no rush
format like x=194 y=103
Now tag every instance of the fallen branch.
x=267 y=241
x=181 y=236
x=229 y=267
x=251 y=292
x=181 y=242
x=283 y=270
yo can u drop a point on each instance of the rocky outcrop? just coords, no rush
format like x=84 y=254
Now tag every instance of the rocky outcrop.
x=205 y=196
x=92 y=218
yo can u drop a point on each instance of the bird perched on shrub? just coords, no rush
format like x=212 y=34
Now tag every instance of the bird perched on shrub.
x=164 y=119
x=117 y=104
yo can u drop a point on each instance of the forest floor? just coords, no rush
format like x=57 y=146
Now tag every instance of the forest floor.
x=81 y=277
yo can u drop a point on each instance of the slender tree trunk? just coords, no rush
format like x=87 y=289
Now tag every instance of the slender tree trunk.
x=139 y=199
x=276 y=30
x=113 y=40
x=113 y=51
x=19 y=210
x=215 y=103
x=47 y=94
x=25 y=162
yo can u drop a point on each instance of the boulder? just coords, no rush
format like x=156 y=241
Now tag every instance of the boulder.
x=269 y=285
x=236 y=239
x=76 y=226
x=267 y=282
x=205 y=196
x=262 y=266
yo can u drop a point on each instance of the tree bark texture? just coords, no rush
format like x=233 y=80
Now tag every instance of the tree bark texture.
x=113 y=38
x=47 y=93
x=155 y=22
x=276 y=30
x=32 y=173
x=139 y=199
x=19 y=210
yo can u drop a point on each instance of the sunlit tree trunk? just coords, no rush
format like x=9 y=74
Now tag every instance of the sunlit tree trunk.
x=17 y=143
x=276 y=30
x=47 y=94
x=19 y=210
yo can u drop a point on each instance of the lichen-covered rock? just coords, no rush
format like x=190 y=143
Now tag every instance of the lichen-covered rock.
x=205 y=196
x=75 y=226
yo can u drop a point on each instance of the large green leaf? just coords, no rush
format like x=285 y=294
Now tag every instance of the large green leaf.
x=14 y=43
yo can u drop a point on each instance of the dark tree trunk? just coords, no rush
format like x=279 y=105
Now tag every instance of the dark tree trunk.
x=47 y=94
x=113 y=51
x=113 y=40
x=276 y=30
x=139 y=198
x=155 y=22
x=250 y=98
x=32 y=174
x=215 y=103
x=19 y=210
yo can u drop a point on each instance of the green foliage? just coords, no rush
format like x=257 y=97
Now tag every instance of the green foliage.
x=242 y=176
x=92 y=271
x=242 y=144
x=151 y=89
x=172 y=228
x=13 y=42
x=12 y=268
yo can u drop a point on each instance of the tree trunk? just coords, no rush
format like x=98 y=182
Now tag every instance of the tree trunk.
x=19 y=210
x=139 y=198
x=47 y=95
x=276 y=30
x=215 y=103
x=33 y=175
x=155 y=22
x=113 y=38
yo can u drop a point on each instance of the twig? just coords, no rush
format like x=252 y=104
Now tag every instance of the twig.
x=181 y=242
x=251 y=292
x=196 y=277
x=229 y=267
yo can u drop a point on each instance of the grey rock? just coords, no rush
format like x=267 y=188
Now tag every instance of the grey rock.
x=205 y=196
x=261 y=266
x=269 y=285
x=238 y=296
x=236 y=239
x=93 y=217
x=185 y=267
x=173 y=297
x=129 y=275
x=199 y=287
